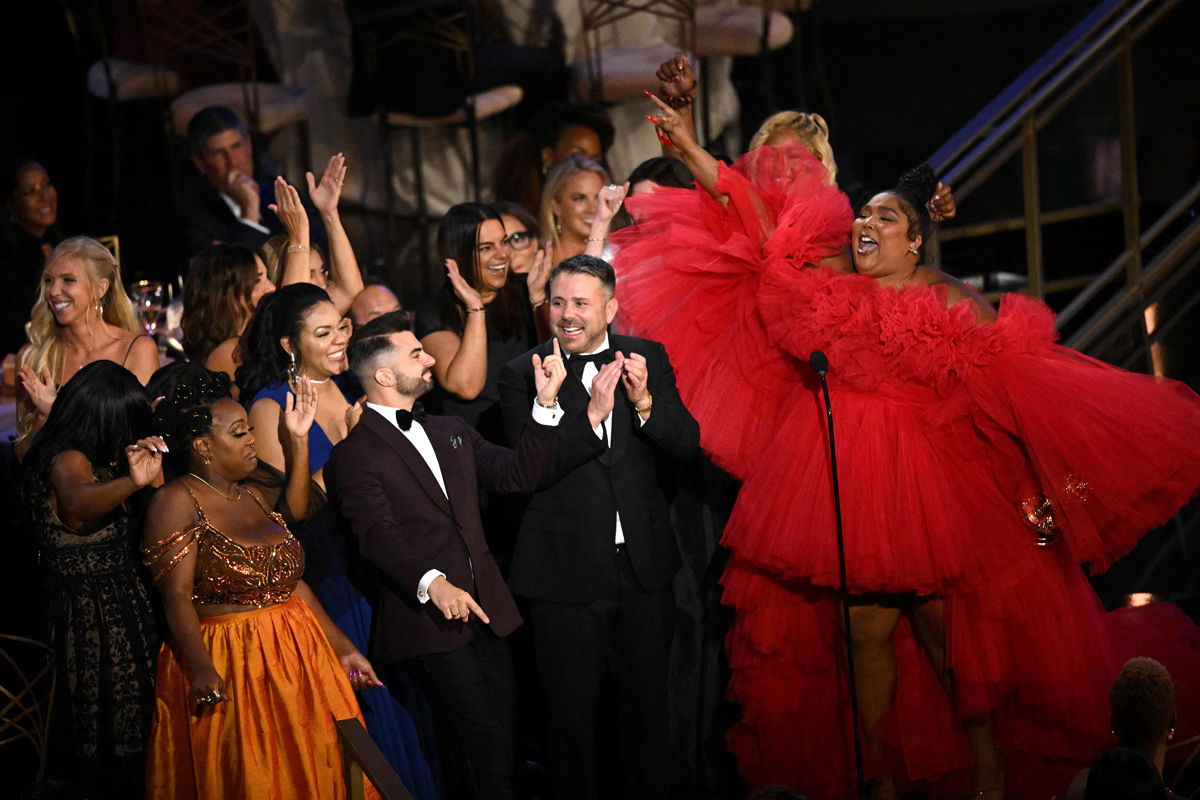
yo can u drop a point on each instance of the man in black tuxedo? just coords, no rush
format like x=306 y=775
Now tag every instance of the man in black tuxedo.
x=408 y=486
x=596 y=552
x=223 y=202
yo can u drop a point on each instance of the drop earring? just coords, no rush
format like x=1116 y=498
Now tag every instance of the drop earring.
x=292 y=366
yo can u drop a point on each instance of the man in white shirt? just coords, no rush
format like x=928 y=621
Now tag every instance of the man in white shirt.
x=408 y=486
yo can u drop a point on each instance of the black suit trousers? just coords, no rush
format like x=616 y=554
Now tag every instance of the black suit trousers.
x=626 y=636
x=472 y=691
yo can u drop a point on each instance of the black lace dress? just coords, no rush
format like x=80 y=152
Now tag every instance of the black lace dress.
x=99 y=620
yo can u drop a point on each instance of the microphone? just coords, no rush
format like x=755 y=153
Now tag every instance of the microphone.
x=819 y=362
x=820 y=365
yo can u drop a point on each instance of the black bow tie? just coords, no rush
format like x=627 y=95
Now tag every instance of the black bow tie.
x=404 y=417
x=577 y=363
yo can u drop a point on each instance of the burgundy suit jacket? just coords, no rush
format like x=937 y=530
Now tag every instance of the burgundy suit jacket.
x=405 y=526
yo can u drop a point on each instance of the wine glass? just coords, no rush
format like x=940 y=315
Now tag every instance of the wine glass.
x=147 y=299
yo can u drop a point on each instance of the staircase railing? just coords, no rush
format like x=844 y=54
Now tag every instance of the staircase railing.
x=1118 y=296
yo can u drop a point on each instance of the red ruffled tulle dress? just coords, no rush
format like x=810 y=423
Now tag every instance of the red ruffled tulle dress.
x=943 y=427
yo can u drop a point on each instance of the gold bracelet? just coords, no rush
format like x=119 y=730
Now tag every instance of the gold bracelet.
x=298 y=248
x=479 y=310
x=539 y=303
x=649 y=406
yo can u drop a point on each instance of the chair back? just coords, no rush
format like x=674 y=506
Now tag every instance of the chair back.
x=27 y=683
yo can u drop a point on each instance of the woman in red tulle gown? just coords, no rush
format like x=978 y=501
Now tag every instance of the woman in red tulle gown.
x=969 y=442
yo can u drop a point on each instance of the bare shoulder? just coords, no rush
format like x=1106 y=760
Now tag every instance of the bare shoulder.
x=170 y=509
x=957 y=292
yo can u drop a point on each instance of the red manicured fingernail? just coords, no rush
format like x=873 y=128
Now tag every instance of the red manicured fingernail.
x=648 y=93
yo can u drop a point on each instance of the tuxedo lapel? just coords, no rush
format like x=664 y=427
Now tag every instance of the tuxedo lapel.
x=445 y=443
x=400 y=444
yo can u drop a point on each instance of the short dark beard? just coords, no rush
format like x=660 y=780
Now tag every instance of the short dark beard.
x=413 y=387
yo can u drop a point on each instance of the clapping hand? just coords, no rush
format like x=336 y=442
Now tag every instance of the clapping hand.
x=301 y=408
x=39 y=388
x=677 y=81
x=325 y=195
x=636 y=377
x=290 y=210
x=941 y=206
x=604 y=387
x=467 y=294
x=548 y=375
x=539 y=274
x=145 y=460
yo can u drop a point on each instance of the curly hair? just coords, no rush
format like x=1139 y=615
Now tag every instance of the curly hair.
x=914 y=189
x=279 y=315
x=812 y=129
x=46 y=343
x=183 y=413
x=217 y=298
x=1142 y=699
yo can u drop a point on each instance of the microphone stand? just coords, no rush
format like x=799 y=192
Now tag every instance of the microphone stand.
x=820 y=365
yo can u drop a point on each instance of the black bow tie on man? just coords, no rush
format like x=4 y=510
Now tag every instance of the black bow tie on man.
x=404 y=417
x=576 y=363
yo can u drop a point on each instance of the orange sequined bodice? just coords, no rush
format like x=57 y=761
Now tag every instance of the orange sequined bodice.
x=229 y=573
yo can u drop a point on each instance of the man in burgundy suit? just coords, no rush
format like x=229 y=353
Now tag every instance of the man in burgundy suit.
x=408 y=486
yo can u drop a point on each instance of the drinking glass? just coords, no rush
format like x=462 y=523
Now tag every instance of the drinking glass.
x=147 y=299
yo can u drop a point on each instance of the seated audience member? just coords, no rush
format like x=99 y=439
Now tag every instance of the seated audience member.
x=375 y=299
x=408 y=485
x=28 y=232
x=83 y=315
x=84 y=477
x=555 y=132
x=578 y=206
x=223 y=287
x=300 y=260
x=224 y=201
x=478 y=322
x=255 y=673
x=1142 y=702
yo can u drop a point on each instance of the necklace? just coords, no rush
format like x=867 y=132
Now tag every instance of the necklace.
x=314 y=380
x=233 y=499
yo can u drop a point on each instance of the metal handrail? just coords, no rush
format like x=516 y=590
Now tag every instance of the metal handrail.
x=1010 y=125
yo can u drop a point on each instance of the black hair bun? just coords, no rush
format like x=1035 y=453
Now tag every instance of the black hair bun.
x=917 y=186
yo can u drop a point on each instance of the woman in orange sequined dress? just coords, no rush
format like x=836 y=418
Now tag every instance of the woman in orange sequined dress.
x=255 y=672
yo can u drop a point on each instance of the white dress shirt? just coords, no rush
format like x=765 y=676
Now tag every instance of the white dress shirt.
x=237 y=212
x=590 y=371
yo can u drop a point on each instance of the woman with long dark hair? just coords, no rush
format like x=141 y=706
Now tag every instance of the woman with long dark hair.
x=479 y=321
x=85 y=473
x=223 y=287
x=296 y=334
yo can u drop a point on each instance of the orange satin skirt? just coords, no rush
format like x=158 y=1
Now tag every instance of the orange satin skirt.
x=274 y=738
